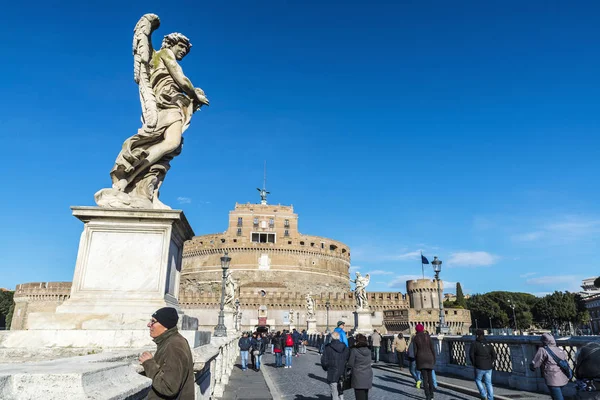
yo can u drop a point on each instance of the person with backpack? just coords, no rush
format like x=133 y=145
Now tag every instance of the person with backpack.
x=549 y=357
x=334 y=358
x=288 y=343
x=587 y=372
x=483 y=355
x=278 y=349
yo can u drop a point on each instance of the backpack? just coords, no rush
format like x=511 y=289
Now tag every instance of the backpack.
x=588 y=362
x=289 y=341
x=562 y=364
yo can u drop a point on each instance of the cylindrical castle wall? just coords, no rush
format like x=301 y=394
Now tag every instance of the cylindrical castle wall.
x=423 y=293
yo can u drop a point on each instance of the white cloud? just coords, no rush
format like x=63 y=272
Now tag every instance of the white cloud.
x=184 y=200
x=380 y=272
x=412 y=255
x=527 y=275
x=472 y=259
x=354 y=268
x=527 y=237
x=561 y=229
x=571 y=283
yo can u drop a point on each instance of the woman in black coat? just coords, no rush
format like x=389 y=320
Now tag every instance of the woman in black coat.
x=362 y=373
x=425 y=358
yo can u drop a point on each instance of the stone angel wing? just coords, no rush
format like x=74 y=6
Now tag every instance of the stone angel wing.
x=142 y=55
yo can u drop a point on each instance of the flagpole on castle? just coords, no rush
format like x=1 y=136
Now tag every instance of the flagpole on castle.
x=422 y=265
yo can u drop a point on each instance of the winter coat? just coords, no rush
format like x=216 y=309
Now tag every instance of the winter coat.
x=296 y=335
x=260 y=345
x=552 y=372
x=245 y=343
x=278 y=344
x=410 y=350
x=376 y=339
x=172 y=367
x=399 y=344
x=424 y=351
x=482 y=354
x=333 y=360
x=362 y=373
x=319 y=340
x=343 y=337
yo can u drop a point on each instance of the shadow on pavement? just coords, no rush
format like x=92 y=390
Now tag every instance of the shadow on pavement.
x=319 y=397
x=319 y=378
x=405 y=394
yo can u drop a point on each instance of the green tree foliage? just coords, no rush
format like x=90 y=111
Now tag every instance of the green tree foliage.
x=7 y=306
x=557 y=310
x=460 y=297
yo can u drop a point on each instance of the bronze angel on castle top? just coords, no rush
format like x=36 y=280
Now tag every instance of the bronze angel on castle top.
x=168 y=101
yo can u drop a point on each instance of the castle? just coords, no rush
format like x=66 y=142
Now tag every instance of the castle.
x=275 y=267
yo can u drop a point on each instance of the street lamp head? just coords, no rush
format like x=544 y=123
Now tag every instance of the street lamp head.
x=225 y=261
x=437 y=265
x=327 y=304
x=237 y=302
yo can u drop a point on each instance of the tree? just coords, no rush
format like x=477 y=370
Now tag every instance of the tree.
x=460 y=297
x=556 y=310
x=6 y=306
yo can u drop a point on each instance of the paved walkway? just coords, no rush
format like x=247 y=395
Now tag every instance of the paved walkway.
x=307 y=380
x=247 y=385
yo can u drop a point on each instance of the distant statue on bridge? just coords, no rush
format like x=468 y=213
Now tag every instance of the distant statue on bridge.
x=230 y=290
x=291 y=316
x=310 y=307
x=360 y=293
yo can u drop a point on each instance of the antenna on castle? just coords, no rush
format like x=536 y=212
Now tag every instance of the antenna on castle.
x=263 y=192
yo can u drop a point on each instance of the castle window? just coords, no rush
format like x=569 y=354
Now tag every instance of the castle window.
x=286 y=233
x=239 y=232
x=240 y=220
x=286 y=223
x=301 y=243
x=312 y=245
x=332 y=247
x=271 y=222
x=263 y=237
x=289 y=242
x=322 y=245
x=255 y=221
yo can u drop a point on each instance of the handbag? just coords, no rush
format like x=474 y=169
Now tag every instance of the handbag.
x=345 y=381
x=562 y=364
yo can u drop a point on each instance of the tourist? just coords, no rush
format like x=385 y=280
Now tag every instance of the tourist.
x=433 y=377
x=334 y=358
x=362 y=372
x=376 y=342
x=288 y=345
x=351 y=340
x=425 y=359
x=244 y=344
x=304 y=341
x=555 y=378
x=412 y=362
x=172 y=366
x=320 y=342
x=271 y=341
x=252 y=356
x=277 y=349
x=483 y=355
x=340 y=329
x=399 y=347
x=259 y=346
x=296 y=337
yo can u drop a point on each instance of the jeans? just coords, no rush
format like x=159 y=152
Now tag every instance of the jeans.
x=335 y=395
x=416 y=374
x=288 y=356
x=556 y=392
x=278 y=359
x=485 y=375
x=302 y=348
x=400 y=356
x=376 y=351
x=433 y=378
x=244 y=356
x=258 y=360
x=272 y=348
x=296 y=346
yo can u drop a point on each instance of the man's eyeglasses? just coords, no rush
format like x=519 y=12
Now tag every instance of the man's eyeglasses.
x=152 y=322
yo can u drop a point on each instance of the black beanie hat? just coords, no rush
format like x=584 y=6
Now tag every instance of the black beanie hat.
x=167 y=317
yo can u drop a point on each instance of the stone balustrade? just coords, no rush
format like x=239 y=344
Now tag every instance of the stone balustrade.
x=514 y=354
x=116 y=375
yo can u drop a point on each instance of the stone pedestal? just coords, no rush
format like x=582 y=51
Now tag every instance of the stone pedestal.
x=362 y=322
x=229 y=321
x=311 y=326
x=128 y=266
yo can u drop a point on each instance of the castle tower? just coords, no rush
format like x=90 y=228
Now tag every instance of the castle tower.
x=423 y=293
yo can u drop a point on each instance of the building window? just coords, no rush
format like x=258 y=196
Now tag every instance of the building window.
x=260 y=237
x=322 y=245
x=286 y=223
x=240 y=220
x=239 y=231
x=255 y=221
x=286 y=233
x=271 y=222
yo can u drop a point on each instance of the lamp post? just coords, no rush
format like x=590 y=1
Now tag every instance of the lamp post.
x=512 y=305
x=437 y=268
x=220 y=329
x=490 y=325
x=327 y=305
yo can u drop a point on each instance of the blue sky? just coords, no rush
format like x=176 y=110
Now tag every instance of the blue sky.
x=466 y=130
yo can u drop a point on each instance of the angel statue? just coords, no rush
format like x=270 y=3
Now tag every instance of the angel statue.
x=360 y=292
x=168 y=101
x=310 y=307
x=291 y=316
x=230 y=289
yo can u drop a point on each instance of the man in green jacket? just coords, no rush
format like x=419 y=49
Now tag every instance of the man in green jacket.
x=172 y=366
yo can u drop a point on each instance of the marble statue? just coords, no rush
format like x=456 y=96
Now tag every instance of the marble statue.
x=230 y=290
x=360 y=293
x=310 y=307
x=291 y=316
x=168 y=101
